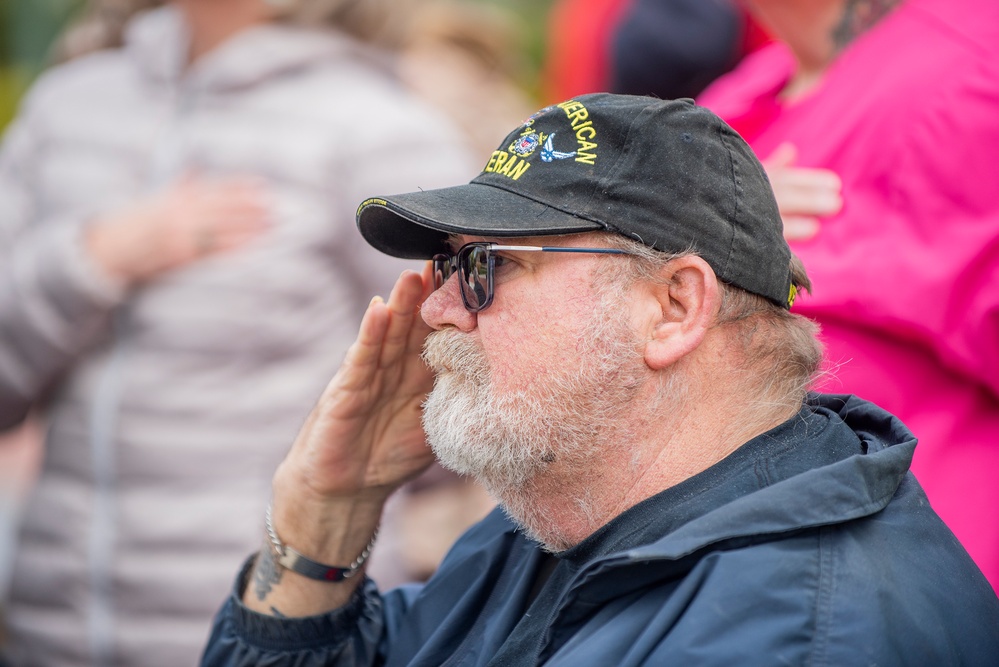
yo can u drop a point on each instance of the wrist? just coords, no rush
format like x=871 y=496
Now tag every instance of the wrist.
x=108 y=243
x=295 y=561
x=324 y=529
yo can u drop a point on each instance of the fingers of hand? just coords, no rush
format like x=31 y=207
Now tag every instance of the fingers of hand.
x=802 y=191
x=361 y=362
x=800 y=227
x=806 y=178
x=405 y=323
x=427 y=274
x=808 y=192
x=782 y=156
x=214 y=241
x=386 y=340
x=236 y=205
x=797 y=202
x=421 y=329
x=222 y=216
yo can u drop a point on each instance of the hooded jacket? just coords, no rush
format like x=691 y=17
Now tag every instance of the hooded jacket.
x=169 y=406
x=810 y=545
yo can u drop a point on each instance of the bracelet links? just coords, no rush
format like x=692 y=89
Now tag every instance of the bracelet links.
x=292 y=560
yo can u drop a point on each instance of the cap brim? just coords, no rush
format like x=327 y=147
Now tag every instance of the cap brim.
x=416 y=225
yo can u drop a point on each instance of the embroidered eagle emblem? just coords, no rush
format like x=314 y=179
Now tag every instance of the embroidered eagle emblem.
x=548 y=152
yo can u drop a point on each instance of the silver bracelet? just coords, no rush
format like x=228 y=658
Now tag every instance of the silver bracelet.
x=290 y=559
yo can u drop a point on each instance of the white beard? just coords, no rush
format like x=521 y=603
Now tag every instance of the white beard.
x=506 y=441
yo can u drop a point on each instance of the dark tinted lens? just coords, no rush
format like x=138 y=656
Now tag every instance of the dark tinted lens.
x=443 y=266
x=474 y=265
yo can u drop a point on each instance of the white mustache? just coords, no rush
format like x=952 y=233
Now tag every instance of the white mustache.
x=450 y=350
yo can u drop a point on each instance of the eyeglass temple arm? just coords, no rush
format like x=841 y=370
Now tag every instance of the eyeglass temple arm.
x=534 y=248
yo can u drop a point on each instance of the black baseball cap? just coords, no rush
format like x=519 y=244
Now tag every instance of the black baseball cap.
x=667 y=173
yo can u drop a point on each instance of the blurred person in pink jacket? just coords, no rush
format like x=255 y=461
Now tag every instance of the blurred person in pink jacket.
x=879 y=120
x=179 y=275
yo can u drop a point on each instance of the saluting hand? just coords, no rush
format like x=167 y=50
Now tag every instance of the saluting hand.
x=363 y=440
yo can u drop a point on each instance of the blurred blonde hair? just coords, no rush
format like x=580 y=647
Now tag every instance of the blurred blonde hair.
x=476 y=48
x=100 y=26
x=486 y=34
x=381 y=22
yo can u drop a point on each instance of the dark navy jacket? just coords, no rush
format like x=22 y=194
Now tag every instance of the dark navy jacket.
x=813 y=546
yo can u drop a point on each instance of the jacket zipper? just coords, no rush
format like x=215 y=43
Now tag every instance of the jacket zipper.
x=105 y=414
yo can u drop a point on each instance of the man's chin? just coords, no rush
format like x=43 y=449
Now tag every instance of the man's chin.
x=489 y=479
x=497 y=480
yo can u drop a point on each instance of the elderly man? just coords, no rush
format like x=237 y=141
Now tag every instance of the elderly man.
x=605 y=320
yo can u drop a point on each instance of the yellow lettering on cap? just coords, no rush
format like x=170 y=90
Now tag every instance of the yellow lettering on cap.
x=501 y=160
x=578 y=117
x=491 y=165
x=504 y=163
x=583 y=156
x=577 y=114
x=519 y=170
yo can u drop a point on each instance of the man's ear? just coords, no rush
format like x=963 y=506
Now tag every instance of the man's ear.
x=688 y=304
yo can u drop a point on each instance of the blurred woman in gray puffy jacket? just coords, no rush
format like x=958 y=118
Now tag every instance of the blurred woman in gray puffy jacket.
x=179 y=277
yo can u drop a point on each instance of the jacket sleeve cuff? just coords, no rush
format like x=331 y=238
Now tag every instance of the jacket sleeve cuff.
x=347 y=635
x=56 y=265
x=82 y=271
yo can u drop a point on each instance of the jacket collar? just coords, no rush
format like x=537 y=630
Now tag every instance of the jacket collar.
x=849 y=489
x=158 y=41
x=843 y=491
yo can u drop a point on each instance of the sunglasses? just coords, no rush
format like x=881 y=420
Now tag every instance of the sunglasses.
x=476 y=266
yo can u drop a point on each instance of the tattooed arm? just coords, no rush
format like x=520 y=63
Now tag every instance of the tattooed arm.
x=266 y=575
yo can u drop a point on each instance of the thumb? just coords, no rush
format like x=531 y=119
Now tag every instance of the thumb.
x=800 y=227
x=782 y=156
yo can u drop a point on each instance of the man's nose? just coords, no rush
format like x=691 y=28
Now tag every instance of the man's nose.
x=444 y=307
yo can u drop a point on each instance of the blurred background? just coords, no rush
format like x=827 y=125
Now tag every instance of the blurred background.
x=836 y=163
x=29 y=43
x=28 y=29
x=498 y=48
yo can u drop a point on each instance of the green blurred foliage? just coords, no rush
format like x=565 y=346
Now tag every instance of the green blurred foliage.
x=27 y=31
x=29 y=27
x=532 y=18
